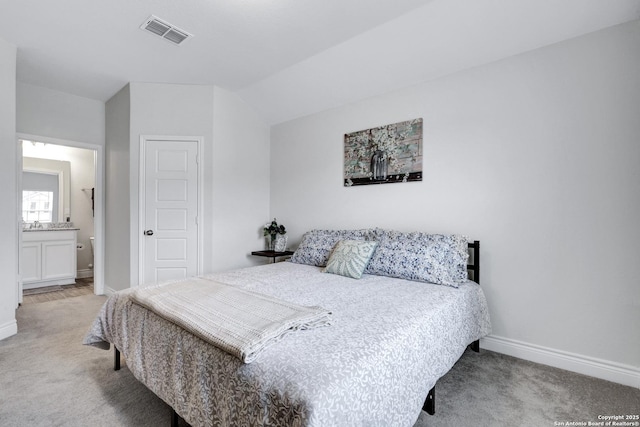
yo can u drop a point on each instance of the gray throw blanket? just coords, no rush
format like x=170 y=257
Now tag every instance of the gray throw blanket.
x=240 y=322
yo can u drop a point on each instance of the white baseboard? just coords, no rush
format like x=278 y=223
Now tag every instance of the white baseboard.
x=83 y=274
x=8 y=329
x=599 y=368
x=45 y=283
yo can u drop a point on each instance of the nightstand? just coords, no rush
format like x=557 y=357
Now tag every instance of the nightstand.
x=272 y=254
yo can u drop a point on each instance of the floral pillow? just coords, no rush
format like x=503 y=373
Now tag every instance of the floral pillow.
x=433 y=258
x=349 y=258
x=316 y=245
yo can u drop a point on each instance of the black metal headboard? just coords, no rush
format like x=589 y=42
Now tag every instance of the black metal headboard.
x=473 y=266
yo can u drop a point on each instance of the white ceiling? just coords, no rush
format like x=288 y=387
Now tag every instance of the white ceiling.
x=287 y=58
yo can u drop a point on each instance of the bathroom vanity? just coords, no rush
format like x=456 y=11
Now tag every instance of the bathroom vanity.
x=48 y=257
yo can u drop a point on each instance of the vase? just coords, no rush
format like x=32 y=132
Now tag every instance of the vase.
x=280 y=243
x=379 y=166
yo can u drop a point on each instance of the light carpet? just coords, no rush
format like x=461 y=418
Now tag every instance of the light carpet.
x=48 y=378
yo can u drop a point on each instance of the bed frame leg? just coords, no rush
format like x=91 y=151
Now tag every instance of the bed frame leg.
x=175 y=418
x=116 y=359
x=475 y=346
x=430 y=403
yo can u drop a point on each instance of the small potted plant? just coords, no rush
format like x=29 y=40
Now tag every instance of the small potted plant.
x=277 y=235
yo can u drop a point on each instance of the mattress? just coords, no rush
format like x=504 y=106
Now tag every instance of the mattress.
x=389 y=342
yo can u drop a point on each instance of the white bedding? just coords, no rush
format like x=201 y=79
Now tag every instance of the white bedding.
x=389 y=342
x=238 y=321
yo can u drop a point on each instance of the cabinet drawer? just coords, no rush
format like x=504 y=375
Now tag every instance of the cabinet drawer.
x=43 y=236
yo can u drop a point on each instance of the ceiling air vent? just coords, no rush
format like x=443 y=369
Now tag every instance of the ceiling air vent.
x=165 y=30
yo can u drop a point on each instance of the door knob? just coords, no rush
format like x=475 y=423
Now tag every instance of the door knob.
x=148 y=232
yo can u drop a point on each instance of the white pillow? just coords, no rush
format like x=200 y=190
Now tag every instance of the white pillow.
x=349 y=258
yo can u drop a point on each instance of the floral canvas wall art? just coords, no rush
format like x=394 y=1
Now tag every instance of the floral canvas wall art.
x=382 y=155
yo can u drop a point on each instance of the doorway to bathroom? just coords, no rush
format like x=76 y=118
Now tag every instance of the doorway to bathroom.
x=69 y=207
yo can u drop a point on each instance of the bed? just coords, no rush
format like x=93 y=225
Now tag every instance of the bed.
x=377 y=364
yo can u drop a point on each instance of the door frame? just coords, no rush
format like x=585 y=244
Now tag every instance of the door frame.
x=142 y=195
x=98 y=213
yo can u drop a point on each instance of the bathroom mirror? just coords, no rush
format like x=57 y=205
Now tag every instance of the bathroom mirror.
x=46 y=190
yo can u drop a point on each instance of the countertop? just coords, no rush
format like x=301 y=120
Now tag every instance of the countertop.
x=50 y=229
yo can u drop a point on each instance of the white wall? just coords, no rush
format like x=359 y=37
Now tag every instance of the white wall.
x=235 y=162
x=240 y=182
x=46 y=112
x=62 y=117
x=536 y=156
x=171 y=110
x=83 y=180
x=117 y=208
x=8 y=177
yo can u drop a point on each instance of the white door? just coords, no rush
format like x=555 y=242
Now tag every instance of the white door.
x=170 y=212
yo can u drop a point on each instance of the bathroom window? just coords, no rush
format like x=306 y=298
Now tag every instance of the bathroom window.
x=37 y=206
